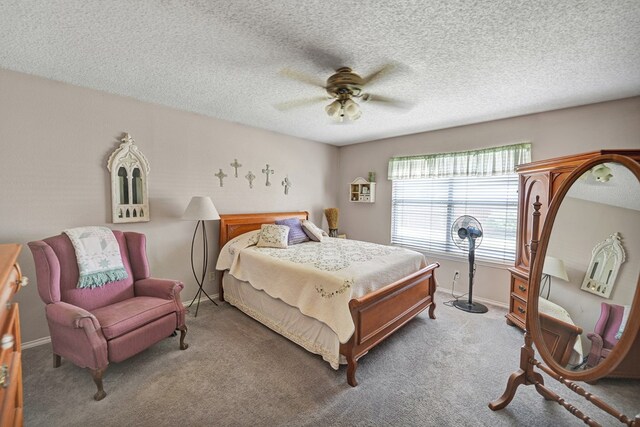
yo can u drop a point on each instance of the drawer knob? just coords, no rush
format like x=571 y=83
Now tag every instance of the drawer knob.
x=23 y=281
x=7 y=341
x=522 y=288
x=521 y=310
x=4 y=376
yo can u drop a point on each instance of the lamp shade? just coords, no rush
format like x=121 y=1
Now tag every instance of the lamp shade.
x=555 y=267
x=200 y=208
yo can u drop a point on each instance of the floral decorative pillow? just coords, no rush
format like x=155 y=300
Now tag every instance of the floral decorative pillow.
x=273 y=236
x=314 y=232
x=296 y=233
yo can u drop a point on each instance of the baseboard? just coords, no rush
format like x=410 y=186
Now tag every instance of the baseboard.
x=47 y=340
x=480 y=299
x=35 y=343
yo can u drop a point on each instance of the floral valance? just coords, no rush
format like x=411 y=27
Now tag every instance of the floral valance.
x=486 y=162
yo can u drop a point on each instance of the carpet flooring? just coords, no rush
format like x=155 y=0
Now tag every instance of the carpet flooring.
x=237 y=372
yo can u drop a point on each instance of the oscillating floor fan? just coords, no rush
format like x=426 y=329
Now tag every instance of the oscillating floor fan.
x=466 y=233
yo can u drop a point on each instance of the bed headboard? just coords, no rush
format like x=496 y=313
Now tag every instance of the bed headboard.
x=233 y=225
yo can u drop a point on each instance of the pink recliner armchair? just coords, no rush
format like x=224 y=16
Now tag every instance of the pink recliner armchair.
x=92 y=327
x=603 y=338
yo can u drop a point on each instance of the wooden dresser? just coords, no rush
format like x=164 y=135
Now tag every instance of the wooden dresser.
x=542 y=178
x=10 y=356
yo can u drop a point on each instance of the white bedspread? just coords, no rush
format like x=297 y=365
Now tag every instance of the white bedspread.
x=319 y=278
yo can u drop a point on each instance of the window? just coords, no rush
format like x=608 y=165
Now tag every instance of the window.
x=430 y=192
x=423 y=210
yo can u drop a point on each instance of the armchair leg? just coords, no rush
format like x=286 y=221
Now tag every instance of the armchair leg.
x=57 y=360
x=183 y=333
x=96 y=374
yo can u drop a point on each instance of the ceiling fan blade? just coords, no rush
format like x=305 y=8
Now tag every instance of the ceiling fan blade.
x=387 y=101
x=288 y=105
x=379 y=74
x=324 y=59
x=302 y=77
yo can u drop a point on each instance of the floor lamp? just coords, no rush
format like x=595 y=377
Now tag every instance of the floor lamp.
x=200 y=209
x=553 y=267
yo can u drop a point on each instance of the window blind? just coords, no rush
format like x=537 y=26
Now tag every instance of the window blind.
x=423 y=211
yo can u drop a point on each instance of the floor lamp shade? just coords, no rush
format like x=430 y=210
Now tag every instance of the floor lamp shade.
x=555 y=267
x=201 y=208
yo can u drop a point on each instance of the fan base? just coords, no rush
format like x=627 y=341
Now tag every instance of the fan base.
x=470 y=307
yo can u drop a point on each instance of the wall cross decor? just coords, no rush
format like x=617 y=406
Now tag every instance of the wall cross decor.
x=250 y=176
x=235 y=165
x=268 y=172
x=221 y=175
x=287 y=184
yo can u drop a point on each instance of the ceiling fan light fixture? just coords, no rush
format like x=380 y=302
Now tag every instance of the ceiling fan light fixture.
x=353 y=113
x=334 y=109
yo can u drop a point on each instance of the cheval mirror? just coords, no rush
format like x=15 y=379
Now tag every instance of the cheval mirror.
x=585 y=321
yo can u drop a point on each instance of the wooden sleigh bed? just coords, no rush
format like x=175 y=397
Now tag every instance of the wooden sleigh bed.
x=375 y=315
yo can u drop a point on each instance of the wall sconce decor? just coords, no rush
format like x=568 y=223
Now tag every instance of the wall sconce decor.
x=606 y=258
x=129 y=170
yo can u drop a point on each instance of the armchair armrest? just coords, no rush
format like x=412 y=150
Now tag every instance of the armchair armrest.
x=76 y=335
x=159 y=288
x=70 y=316
x=596 y=349
x=596 y=340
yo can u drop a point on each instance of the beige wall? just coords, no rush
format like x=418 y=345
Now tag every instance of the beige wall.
x=56 y=139
x=579 y=226
x=613 y=124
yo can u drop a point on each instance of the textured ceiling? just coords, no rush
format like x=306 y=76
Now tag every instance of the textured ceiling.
x=622 y=190
x=460 y=62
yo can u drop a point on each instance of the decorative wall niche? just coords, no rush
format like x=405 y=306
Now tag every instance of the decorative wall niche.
x=129 y=170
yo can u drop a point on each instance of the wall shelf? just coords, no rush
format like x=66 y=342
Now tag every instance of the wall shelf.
x=362 y=191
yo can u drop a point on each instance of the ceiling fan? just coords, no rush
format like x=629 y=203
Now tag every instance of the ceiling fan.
x=343 y=87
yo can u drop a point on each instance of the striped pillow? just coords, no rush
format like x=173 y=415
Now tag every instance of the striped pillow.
x=296 y=233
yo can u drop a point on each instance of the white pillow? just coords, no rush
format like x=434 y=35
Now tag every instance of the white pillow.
x=273 y=236
x=314 y=232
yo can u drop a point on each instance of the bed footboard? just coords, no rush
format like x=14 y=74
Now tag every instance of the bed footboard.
x=379 y=314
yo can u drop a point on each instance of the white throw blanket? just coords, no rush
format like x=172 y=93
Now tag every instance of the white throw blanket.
x=319 y=278
x=98 y=255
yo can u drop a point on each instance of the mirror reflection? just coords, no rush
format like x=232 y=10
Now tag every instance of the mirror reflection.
x=591 y=268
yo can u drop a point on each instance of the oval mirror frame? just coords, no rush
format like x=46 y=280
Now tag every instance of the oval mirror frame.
x=633 y=325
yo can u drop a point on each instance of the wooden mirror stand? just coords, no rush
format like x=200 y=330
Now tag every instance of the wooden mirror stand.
x=526 y=374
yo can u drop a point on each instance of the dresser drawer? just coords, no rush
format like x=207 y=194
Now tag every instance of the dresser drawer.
x=520 y=288
x=7 y=291
x=10 y=370
x=11 y=392
x=519 y=309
